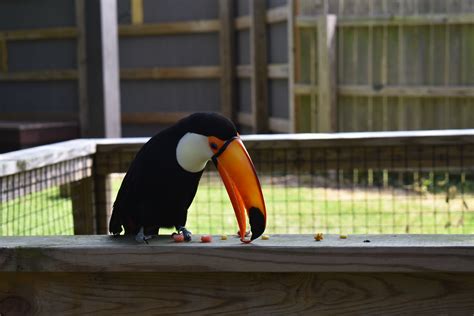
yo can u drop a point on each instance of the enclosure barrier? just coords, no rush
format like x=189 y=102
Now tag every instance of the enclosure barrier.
x=287 y=274
x=393 y=182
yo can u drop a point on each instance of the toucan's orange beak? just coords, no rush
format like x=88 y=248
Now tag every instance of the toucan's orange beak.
x=241 y=182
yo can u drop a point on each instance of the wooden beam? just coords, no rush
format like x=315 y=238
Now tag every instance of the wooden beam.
x=83 y=212
x=102 y=74
x=103 y=201
x=258 y=59
x=82 y=66
x=277 y=15
x=405 y=20
x=153 y=117
x=279 y=254
x=197 y=72
x=279 y=125
x=272 y=16
x=304 y=89
x=293 y=62
x=407 y=91
x=277 y=71
x=227 y=58
x=136 y=8
x=43 y=75
x=40 y=34
x=274 y=71
x=186 y=27
x=3 y=55
x=327 y=72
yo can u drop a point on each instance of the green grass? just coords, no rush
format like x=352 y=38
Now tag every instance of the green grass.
x=289 y=210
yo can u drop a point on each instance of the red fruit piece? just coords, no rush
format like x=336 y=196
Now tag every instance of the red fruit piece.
x=178 y=237
x=206 y=238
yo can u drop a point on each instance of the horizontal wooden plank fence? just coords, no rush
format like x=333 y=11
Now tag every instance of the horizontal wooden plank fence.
x=281 y=66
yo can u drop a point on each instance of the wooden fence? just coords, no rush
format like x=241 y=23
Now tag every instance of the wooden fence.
x=284 y=66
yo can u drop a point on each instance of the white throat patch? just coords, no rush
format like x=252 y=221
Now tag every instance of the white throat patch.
x=193 y=152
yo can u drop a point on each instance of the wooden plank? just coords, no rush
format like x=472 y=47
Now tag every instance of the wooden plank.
x=277 y=71
x=281 y=253
x=136 y=8
x=258 y=60
x=279 y=125
x=227 y=58
x=396 y=20
x=155 y=73
x=242 y=22
x=327 y=73
x=170 y=28
x=274 y=71
x=277 y=15
x=3 y=55
x=237 y=293
x=407 y=91
x=103 y=201
x=153 y=117
x=41 y=156
x=81 y=49
x=304 y=89
x=40 y=34
x=272 y=16
x=42 y=75
x=82 y=198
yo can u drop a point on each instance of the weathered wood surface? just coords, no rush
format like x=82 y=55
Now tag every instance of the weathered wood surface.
x=236 y=293
x=281 y=253
x=37 y=157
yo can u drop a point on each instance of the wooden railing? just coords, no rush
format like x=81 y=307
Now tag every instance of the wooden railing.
x=287 y=274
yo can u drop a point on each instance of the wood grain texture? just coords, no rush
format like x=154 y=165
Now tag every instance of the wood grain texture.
x=40 y=34
x=406 y=91
x=258 y=60
x=37 y=157
x=281 y=253
x=43 y=75
x=227 y=58
x=183 y=27
x=236 y=293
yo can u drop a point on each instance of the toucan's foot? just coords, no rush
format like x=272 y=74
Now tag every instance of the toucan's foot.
x=141 y=237
x=186 y=233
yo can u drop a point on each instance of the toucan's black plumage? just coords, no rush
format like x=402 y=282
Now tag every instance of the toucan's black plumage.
x=156 y=191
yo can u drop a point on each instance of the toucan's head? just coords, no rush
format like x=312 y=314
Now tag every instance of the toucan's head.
x=210 y=136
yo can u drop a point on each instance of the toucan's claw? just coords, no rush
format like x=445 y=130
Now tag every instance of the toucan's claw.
x=186 y=233
x=141 y=237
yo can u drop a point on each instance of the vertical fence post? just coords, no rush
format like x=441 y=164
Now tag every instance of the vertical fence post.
x=292 y=64
x=227 y=58
x=103 y=202
x=258 y=59
x=83 y=206
x=327 y=71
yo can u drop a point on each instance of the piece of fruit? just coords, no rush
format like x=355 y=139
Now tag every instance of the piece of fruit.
x=223 y=237
x=206 y=238
x=265 y=237
x=318 y=237
x=178 y=237
x=343 y=236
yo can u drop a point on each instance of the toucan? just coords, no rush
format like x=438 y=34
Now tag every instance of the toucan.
x=163 y=178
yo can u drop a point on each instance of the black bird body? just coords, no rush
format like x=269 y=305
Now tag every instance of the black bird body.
x=156 y=191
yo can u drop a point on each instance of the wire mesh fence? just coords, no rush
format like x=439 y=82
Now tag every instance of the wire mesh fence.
x=334 y=187
x=41 y=201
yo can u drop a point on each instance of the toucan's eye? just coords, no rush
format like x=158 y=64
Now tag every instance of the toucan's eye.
x=214 y=146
